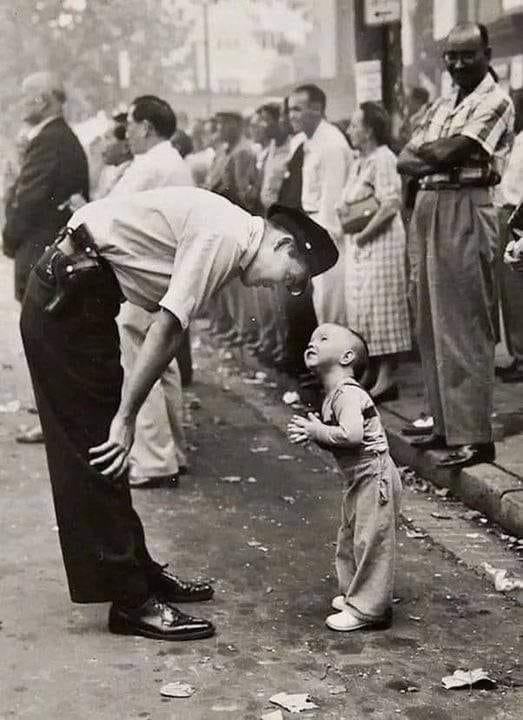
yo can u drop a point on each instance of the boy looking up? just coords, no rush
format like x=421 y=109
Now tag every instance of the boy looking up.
x=351 y=428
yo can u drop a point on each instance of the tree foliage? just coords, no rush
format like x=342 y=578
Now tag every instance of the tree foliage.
x=81 y=39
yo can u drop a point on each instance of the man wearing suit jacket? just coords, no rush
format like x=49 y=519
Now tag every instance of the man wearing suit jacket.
x=53 y=170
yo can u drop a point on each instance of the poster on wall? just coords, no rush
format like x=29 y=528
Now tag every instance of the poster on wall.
x=369 y=81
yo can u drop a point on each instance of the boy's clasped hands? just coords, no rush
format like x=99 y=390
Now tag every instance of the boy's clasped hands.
x=302 y=430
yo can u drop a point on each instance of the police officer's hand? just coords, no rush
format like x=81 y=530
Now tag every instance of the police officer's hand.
x=115 y=451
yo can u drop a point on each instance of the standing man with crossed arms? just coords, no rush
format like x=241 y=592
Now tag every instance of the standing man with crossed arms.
x=458 y=155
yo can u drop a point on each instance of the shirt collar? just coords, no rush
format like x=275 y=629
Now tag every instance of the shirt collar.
x=316 y=136
x=159 y=148
x=257 y=229
x=345 y=381
x=35 y=130
x=484 y=87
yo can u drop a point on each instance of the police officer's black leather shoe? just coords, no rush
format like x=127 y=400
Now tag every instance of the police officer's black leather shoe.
x=467 y=455
x=158 y=620
x=172 y=589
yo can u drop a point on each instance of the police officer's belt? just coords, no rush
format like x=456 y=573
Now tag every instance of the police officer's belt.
x=69 y=264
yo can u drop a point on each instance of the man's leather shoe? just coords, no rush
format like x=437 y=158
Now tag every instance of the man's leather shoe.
x=513 y=376
x=172 y=589
x=502 y=371
x=158 y=620
x=430 y=442
x=467 y=455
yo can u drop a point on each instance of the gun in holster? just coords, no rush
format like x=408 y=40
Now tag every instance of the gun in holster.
x=69 y=269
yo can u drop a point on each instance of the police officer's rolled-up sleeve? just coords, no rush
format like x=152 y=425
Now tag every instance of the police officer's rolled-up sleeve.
x=203 y=264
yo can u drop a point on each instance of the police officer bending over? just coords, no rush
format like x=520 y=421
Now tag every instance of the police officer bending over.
x=169 y=250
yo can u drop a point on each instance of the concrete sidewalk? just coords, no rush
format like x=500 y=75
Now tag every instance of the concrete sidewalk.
x=495 y=489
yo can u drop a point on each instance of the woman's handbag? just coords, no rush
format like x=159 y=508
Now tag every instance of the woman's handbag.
x=356 y=215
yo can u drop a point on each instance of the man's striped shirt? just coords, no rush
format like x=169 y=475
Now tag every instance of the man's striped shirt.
x=486 y=116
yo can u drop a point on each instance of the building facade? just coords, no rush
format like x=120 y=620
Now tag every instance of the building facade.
x=425 y=24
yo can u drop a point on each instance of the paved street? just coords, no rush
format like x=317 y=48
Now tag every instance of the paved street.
x=268 y=543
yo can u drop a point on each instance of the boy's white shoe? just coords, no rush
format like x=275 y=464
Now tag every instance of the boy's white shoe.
x=344 y=621
x=338 y=603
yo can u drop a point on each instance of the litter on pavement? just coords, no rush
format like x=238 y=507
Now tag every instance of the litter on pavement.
x=177 y=690
x=231 y=479
x=416 y=534
x=468 y=678
x=337 y=690
x=293 y=703
x=504 y=580
x=13 y=406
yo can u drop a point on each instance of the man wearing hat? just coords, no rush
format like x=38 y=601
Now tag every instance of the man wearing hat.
x=169 y=250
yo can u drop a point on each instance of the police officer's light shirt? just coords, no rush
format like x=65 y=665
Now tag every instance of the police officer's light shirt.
x=172 y=247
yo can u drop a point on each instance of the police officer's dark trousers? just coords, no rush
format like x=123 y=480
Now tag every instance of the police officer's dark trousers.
x=74 y=360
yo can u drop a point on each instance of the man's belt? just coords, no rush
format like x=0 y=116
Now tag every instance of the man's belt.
x=458 y=178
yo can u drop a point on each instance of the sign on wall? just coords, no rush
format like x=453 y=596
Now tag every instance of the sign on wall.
x=380 y=12
x=369 y=81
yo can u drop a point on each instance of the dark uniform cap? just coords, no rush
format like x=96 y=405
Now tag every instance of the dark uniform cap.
x=313 y=241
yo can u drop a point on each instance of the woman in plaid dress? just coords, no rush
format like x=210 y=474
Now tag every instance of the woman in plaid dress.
x=375 y=279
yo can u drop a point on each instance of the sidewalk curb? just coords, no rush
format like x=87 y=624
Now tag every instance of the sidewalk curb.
x=487 y=488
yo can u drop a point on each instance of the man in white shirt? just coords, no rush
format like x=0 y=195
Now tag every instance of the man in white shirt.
x=326 y=162
x=158 y=453
x=169 y=250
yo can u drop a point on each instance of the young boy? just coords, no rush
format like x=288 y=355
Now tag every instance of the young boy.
x=352 y=430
